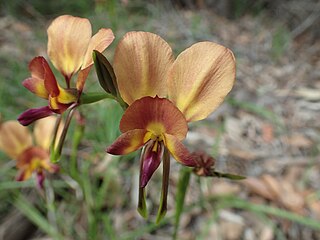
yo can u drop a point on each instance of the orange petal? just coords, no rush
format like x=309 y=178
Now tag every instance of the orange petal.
x=157 y=115
x=43 y=131
x=141 y=64
x=50 y=81
x=68 y=39
x=36 y=86
x=32 y=157
x=32 y=160
x=200 y=79
x=82 y=77
x=128 y=142
x=43 y=81
x=178 y=150
x=100 y=41
x=14 y=138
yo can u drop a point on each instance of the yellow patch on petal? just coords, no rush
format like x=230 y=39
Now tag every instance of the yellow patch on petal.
x=67 y=96
x=148 y=136
x=24 y=174
x=156 y=128
x=31 y=160
x=41 y=91
x=134 y=143
x=53 y=103
x=200 y=78
x=14 y=138
x=34 y=165
x=128 y=142
x=36 y=86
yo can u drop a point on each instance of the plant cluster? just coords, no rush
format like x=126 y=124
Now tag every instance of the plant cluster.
x=160 y=94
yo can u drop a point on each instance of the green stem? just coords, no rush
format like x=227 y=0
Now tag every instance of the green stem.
x=165 y=186
x=122 y=103
x=54 y=139
x=57 y=152
x=95 y=97
x=87 y=98
x=142 y=205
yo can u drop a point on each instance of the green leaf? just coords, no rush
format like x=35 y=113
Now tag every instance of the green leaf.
x=228 y=175
x=105 y=73
x=236 y=202
x=53 y=154
x=36 y=217
x=7 y=185
x=183 y=183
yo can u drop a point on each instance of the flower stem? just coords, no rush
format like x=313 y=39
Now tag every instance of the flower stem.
x=55 y=155
x=165 y=186
x=142 y=206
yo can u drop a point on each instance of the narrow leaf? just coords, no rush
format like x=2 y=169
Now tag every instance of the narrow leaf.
x=183 y=183
x=36 y=217
x=105 y=73
x=228 y=175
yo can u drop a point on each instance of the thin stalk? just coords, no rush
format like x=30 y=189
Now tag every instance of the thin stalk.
x=58 y=150
x=142 y=205
x=55 y=133
x=165 y=186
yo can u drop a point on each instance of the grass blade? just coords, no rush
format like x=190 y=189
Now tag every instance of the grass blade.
x=182 y=188
x=36 y=217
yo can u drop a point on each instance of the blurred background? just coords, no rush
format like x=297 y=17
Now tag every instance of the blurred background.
x=267 y=129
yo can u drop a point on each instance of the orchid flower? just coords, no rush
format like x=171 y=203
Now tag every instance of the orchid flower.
x=164 y=94
x=16 y=141
x=70 y=47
